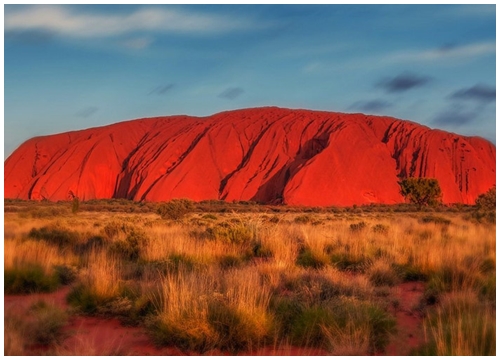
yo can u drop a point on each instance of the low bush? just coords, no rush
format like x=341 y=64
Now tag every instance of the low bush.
x=381 y=273
x=66 y=274
x=308 y=259
x=357 y=226
x=380 y=229
x=30 y=278
x=130 y=248
x=175 y=209
x=350 y=262
x=55 y=235
x=460 y=326
x=302 y=219
x=436 y=220
x=230 y=261
x=46 y=328
x=231 y=233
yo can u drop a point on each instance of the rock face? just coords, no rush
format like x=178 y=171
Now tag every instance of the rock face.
x=270 y=155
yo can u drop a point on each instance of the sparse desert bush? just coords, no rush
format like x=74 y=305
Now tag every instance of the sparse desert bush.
x=131 y=247
x=100 y=282
x=212 y=311
x=357 y=226
x=436 y=220
x=488 y=200
x=380 y=229
x=460 y=326
x=175 y=209
x=302 y=219
x=381 y=273
x=238 y=233
x=238 y=281
x=308 y=259
x=55 y=235
x=46 y=328
x=30 y=278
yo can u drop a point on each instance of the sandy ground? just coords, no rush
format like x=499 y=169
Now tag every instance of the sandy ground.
x=99 y=336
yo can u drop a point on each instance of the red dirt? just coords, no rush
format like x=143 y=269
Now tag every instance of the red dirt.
x=409 y=334
x=99 y=336
x=271 y=155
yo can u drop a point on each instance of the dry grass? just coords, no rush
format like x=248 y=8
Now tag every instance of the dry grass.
x=242 y=281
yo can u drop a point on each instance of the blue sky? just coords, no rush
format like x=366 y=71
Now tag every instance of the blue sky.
x=74 y=67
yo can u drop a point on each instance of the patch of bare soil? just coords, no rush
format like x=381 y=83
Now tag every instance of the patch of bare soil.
x=100 y=336
x=409 y=333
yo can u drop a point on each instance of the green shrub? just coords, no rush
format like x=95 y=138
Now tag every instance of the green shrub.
x=308 y=259
x=382 y=276
x=112 y=229
x=380 y=229
x=230 y=261
x=66 y=274
x=185 y=333
x=55 y=235
x=461 y=326
x=302 y=219
x=92 y=243
x=130 y=248
x=357 y=226
x=177 y=262
x=238 y=330
x=84 y=299
x=488 y=200
x=259 y=250
x=30 y=278
x=436 y=220
x=175 y=209
x=46 y=328
x=231 y=233
x=349 y=262
x=409 y=272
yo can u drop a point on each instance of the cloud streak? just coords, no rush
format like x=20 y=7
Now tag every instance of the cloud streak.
x=231 y=93
x=69 y=22
x=161 y=90
x=403 y=82
x=371 y=105
x=444 y=53
x=482 y=93
x=87 y=112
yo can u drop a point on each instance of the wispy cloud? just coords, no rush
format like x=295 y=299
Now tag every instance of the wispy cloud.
x=474 y=10
x=403 y=82
x=160 y=90
x=456 y=117
x=231 y=93
x=71 y=22
x=87 y=112
x=371 y=105
x=479 y=92
x=444 y=53
x=137 y=43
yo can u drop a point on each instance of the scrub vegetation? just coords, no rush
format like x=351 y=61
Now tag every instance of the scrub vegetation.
x=239 y=277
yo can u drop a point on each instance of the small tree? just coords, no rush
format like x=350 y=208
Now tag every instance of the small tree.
x=488 y=200
x=421 y=191
x=75 y=205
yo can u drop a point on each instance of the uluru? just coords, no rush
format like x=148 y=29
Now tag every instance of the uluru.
x=269 y=155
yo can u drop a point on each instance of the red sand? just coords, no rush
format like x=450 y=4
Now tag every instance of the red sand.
x=271 y=155
x=99 y=336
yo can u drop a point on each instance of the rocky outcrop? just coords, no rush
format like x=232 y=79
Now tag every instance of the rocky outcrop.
x=270 y=155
